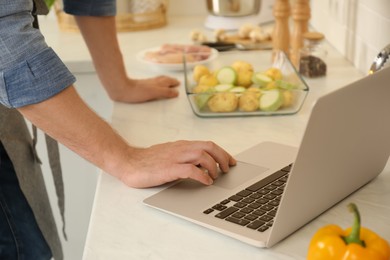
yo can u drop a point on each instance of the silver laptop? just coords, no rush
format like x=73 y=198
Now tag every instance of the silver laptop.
x=276 y=189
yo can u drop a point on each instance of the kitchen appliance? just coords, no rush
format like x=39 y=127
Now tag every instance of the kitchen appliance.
x=231 y=14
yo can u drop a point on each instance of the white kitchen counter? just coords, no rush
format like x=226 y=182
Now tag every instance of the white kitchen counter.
x=122 y=227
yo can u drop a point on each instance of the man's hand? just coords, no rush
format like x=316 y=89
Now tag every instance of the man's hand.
x=162 y=163
x=108 y=61
x=142 y=90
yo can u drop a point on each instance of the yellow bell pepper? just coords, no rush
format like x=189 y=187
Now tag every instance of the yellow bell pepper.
x=355 y=243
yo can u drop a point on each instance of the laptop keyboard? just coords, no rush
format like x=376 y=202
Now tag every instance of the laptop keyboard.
x=254 y=207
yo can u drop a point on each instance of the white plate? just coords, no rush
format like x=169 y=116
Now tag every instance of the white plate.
x=174 y=66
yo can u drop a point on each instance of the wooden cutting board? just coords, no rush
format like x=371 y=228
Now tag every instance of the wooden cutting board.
x=234 y=38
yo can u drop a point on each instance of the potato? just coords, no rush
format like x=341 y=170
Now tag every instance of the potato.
x=223 y=102
x=288 y=98
x=244 y=78
x=244 y=73
x=242 y=66
x=249 y=101
x=274 y=73
x=208 y=80
x=271 y=85
x=199 y=71
x=254 y=89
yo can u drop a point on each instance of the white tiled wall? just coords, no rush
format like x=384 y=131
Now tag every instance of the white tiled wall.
x=359 y=29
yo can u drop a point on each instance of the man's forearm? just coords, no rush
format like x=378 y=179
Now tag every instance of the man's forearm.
x=66 y=118
x=69 y=120
x=100 y=36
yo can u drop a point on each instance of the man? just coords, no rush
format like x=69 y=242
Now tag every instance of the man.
x=35 y=84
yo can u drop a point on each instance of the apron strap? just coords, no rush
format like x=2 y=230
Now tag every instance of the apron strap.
x=34 y=142
x=55 y=166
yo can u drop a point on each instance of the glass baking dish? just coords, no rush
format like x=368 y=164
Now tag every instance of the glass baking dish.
x=289 y=85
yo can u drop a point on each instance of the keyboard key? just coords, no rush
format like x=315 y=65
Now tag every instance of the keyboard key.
x=272 y=213
x=283 y=179
x=242 y=222
x=263 y=191
x=256 y=224
x=270 y=187
x=238 y=215
x=251 y=217
x=226 y=212
x=278 y=183
x=277 y=198
x=254 y=205
x=258 y=185
x=287 y=168
x=208 y=211
x=274 y=203
x=244 y=193
x=263 y=228
x=255 y=195
x=235 y=198
x=266 y=218
x=248 y=200
x=219 y=207
x=269 y=196
x=277 y=192
x=262 y=201
x=246 y=210
x=240 y=205
x=224 y=202
x=267 y=207
x=259 y=212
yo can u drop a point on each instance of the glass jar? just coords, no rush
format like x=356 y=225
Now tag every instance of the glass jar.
x=312 y=61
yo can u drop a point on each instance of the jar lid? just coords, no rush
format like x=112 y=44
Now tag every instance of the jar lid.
x=313 y=36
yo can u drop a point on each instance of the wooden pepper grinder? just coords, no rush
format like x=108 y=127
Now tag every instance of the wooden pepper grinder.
x=300 y=16
x=281 y=33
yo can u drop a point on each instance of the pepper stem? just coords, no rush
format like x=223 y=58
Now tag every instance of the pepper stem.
x=354 y=236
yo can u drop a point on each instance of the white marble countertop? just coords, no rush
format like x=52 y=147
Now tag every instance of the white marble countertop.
x=122 y=227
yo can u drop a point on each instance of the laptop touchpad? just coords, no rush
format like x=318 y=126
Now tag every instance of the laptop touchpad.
x=238 y=175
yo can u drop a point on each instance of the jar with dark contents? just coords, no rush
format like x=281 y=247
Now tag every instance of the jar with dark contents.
x=312 y=61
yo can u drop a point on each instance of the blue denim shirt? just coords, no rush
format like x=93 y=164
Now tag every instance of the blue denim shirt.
x=30 y=71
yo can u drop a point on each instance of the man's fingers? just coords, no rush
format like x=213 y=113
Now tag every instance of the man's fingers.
x=165 y=81
x=169 y=92
x=190 y=171
x=208 y=165
x=219 y=155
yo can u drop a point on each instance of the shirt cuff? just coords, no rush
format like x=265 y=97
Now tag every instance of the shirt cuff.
x=34 y=80
x=90 y=8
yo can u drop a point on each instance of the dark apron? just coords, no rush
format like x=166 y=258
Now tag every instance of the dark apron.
x=20 y=147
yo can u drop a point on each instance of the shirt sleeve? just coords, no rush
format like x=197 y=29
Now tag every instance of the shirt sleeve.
x=30 y=71
x=90 y=7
